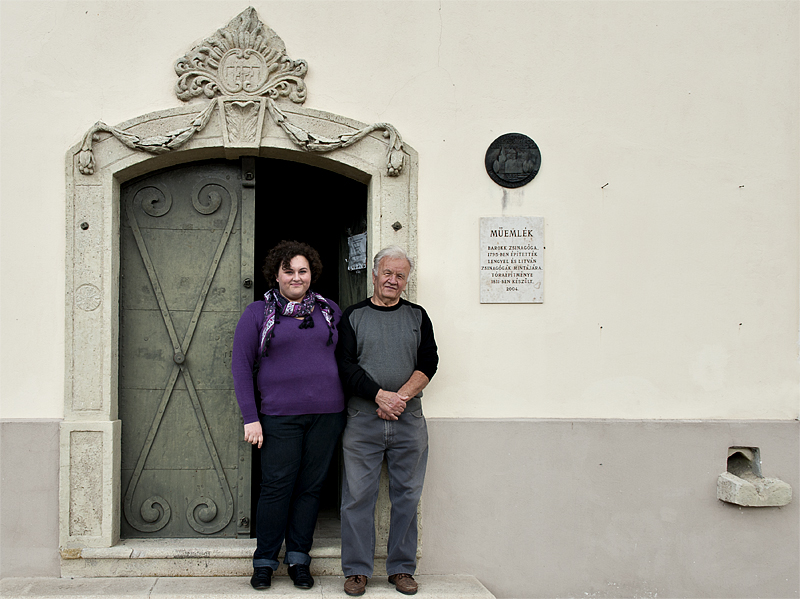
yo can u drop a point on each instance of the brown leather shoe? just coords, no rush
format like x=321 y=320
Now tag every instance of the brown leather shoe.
x=355 y=585
x=404 y=583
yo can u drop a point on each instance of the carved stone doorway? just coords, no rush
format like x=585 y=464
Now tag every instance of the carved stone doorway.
x=235 y=124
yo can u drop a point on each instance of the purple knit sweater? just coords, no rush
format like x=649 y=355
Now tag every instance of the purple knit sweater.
x=299 y=376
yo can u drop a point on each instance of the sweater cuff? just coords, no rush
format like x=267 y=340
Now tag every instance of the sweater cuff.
x=370 y=390
x=250 y=418
x=428 y=371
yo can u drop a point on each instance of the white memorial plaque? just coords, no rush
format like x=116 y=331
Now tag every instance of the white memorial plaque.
x=512 y=260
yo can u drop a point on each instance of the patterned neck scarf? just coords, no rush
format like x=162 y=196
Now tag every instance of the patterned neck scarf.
x=275 y=305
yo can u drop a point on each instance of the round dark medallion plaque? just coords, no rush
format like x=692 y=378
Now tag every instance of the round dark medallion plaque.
x=513 y=160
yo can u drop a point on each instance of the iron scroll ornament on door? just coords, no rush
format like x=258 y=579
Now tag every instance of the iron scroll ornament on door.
x=244 y=69
x=156 y=201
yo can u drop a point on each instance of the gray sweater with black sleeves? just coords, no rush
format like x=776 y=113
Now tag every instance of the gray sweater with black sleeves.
x=380 y=348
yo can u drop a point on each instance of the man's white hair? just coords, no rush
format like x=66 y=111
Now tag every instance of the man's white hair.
x=393 y=252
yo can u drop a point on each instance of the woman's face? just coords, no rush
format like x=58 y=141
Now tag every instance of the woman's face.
x=294 y=278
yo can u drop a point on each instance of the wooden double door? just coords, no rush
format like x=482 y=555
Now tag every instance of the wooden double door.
x=192 y=243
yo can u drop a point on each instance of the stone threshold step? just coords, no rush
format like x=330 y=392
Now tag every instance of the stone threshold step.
x=192 y=548
x=327 y=587
x=192 y=557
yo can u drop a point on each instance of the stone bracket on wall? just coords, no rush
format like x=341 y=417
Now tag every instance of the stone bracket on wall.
x=244 y=66
x=743 y=484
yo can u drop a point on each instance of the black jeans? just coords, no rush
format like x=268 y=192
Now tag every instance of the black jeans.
x=295 y=457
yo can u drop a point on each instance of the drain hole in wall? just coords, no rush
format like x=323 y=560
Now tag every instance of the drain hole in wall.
x=744 y=462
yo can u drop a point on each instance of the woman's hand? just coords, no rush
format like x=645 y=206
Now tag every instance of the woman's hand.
x=253 y=434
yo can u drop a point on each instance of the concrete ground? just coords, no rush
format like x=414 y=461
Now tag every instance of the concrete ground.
x=430 y=587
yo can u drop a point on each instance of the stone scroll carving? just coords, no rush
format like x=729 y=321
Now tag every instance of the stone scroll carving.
x=244 y=69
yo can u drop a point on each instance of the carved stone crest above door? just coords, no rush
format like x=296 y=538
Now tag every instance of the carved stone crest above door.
x=244 y=70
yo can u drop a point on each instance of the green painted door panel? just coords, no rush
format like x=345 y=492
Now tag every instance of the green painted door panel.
x=185 y=467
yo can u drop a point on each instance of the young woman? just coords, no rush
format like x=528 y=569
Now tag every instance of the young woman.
x=287 y=342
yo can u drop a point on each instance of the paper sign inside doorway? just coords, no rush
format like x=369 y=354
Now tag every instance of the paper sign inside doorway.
x=357 y=246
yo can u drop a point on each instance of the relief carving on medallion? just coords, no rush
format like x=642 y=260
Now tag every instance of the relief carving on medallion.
x=244 y=69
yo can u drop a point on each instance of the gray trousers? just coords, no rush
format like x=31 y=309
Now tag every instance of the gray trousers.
x=366 y=440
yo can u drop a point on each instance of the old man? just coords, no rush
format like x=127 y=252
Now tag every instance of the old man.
x=387 y=355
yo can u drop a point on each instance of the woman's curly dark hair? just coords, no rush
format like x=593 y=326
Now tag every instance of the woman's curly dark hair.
x=283 y=253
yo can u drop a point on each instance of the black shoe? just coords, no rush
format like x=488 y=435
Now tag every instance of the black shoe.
x=262 y=578
x=301 y=576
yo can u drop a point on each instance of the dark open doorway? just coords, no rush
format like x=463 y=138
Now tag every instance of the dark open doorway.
x=303 y=203
x=172 y=224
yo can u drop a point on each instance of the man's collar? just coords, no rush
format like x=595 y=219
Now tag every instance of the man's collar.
x=374 y=303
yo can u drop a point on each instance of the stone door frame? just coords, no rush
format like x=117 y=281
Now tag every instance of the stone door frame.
x=89 y=494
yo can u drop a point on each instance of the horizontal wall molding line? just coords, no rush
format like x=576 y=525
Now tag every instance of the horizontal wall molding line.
x=617 y=420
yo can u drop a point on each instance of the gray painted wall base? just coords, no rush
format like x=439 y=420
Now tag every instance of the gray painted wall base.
x=29 y=498
x=535 y=508
x=608 y=508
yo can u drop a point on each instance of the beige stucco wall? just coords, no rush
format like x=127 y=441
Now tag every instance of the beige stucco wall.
x=669 y=184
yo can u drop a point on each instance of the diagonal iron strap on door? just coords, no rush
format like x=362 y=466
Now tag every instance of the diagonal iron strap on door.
x=202 y=512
